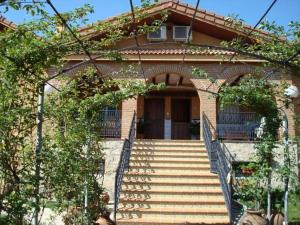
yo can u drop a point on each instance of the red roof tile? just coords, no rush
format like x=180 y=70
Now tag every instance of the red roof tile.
x=176 y=51
x=7 y=23
x=177 y=6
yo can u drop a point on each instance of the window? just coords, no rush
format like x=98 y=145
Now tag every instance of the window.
x=180 y=33
x=158 y=35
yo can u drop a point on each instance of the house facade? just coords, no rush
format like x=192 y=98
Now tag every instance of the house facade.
x=165 y=58
x=163 y=131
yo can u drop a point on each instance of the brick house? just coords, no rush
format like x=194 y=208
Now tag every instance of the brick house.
x=171 y=177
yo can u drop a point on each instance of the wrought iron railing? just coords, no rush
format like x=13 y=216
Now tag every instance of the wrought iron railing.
x=220 y=161
x=240 y=125
x=110 y=124
x=209 y=136
x=124 y=162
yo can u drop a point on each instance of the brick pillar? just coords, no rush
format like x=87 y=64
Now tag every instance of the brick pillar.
x=128 y=108
x=208 y=103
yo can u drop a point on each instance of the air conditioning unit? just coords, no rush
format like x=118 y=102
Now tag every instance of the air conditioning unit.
x=159 y=35
x=181 y=33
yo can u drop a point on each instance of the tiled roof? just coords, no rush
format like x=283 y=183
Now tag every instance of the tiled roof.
x=7 y=23
x=176 y=51
x=186 y=10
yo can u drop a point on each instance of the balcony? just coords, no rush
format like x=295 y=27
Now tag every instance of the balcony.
x=237 y=126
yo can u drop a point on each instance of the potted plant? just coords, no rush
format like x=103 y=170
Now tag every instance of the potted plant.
x=248 y=169
x=195 y=129
x=277 y=196
x=250 y=196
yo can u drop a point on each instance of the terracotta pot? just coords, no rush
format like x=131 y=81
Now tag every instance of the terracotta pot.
x=104 y=198
x=277 y=218
x=104 y=220
x=252 y=217
x=247 y=171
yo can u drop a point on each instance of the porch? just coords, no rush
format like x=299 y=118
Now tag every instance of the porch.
x=176 y=118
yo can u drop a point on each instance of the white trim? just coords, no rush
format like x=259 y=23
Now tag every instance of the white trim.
x=163 y=34
x=187 y=33
x=167 y=130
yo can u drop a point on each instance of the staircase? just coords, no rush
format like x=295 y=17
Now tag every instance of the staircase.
x=169 y=182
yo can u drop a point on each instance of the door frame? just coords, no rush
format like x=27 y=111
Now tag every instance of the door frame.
x=163 y=115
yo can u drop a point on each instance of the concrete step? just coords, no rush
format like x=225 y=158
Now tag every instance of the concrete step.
x=142 y=186
x=170 y=187
x=168 y=147
x=170 y=173
x=160 y=220
x=169 y=163
x=173 y=169
x=170 y=178
x=199 y=211
x=170 y=158
x=205 y=182
x=171 y=202
x=169 y=216
x=168 y=142
x=174 y=153
x=139 y=205
x=160 y=190
x=196 y=166
x=169 y=195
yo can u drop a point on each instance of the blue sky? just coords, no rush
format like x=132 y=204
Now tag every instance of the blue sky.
x=282 y=13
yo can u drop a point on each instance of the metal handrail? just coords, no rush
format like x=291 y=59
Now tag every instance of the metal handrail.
x=220 y=162
x=124 y=162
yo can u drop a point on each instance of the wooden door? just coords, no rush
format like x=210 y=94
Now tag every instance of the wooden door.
x=181 y=119
x=154 y=119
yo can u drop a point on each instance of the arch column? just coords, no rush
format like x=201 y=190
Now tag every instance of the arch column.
x=128 y=108
x=208 y=103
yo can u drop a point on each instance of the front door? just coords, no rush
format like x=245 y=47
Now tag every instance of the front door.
x=181 y=119
x=154 y=118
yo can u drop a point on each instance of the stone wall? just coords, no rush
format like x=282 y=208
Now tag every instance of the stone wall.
x=244 y=152
x=112 y=150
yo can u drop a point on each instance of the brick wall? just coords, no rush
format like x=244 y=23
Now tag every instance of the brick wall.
x=207 y=103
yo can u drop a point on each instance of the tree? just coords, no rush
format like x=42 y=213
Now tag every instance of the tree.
x=280 y=50
x=71 y=149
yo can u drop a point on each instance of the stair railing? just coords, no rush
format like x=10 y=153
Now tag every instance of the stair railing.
x=220 y=161
x=124 y=162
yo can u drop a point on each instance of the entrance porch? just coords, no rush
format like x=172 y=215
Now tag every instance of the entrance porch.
x=170 y=114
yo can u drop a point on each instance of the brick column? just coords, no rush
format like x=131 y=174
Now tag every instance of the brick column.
x=208 y=103
x=128 y=108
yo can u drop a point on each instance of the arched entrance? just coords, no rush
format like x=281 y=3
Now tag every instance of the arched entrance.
x=235 y=122
x=171 y=113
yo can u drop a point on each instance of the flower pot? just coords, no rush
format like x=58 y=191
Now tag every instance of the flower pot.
x=277 y=218
x=253 y=217
x=104 y=220
x=104 y=198
x=247 y=171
